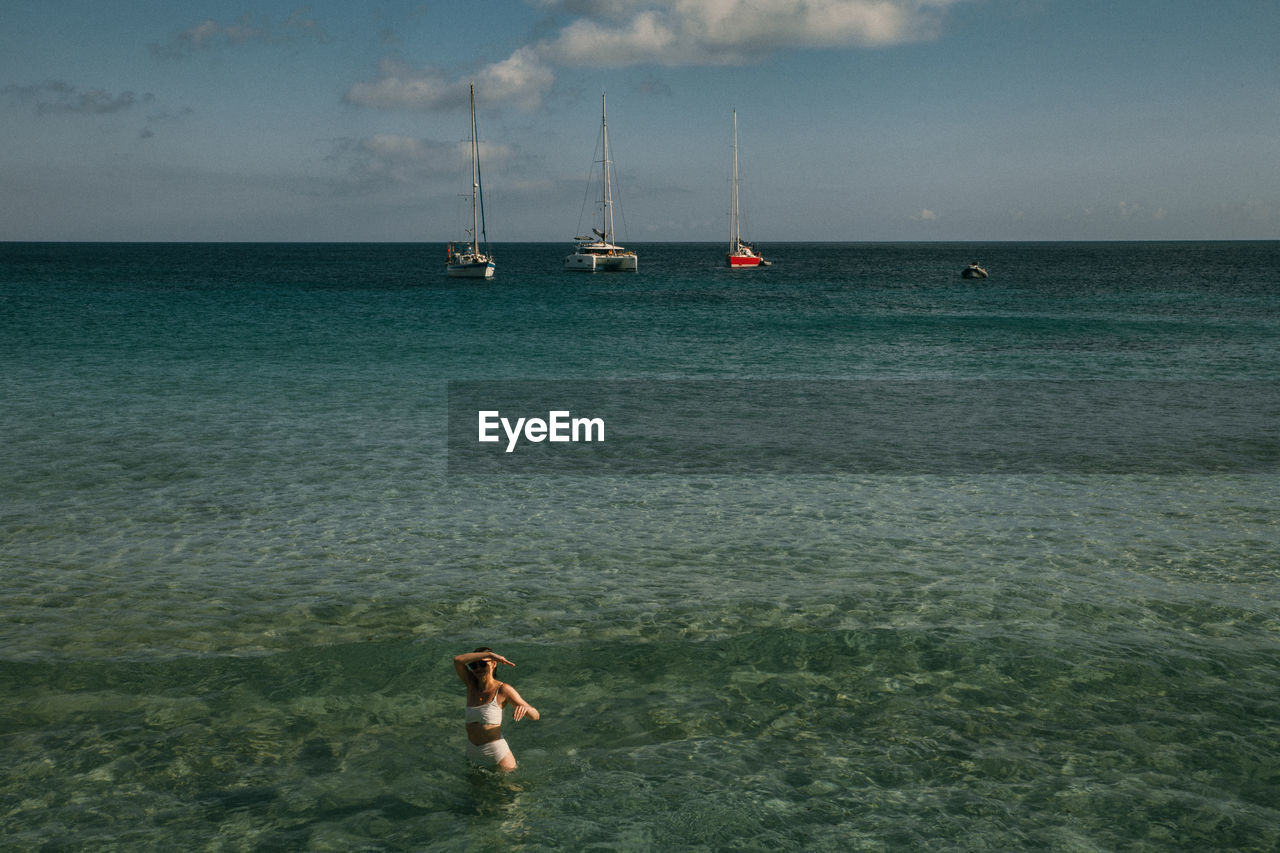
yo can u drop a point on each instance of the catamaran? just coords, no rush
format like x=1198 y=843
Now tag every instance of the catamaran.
x=466 y=260
x=598 y=253
x=741 y=255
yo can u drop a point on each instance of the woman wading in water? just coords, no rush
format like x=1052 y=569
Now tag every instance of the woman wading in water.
x=486 y=696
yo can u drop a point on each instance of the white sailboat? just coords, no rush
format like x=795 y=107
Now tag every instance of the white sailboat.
x=740 y=255
x=466 y=260
x=598 y=253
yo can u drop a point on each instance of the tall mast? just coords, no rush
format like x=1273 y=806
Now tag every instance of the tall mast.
x=608 y=201
x=733 y=190
x=475 y=176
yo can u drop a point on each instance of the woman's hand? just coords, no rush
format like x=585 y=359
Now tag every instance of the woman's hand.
x=522 y=709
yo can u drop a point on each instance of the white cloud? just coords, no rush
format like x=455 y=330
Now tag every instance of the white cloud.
x=645 y=38
x=701 y=32
x=619 y=33
x=400 y=86
x=521 y=78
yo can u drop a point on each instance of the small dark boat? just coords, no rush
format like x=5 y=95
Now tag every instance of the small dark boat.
x=973 y=271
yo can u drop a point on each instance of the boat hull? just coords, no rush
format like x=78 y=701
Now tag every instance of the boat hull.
x=601 y=263
x=739 y=262
x=475 y=269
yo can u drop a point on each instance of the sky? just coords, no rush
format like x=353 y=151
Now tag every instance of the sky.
x=858 y=120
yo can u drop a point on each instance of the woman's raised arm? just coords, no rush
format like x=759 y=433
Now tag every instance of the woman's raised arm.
x=522 y=708
x=464 y=660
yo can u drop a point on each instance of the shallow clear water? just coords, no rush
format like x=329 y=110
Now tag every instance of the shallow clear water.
x=234 y=569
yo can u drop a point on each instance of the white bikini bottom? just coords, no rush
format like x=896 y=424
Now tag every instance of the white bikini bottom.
x=488 y=753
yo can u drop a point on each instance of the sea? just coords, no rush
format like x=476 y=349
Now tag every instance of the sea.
x=236 y=558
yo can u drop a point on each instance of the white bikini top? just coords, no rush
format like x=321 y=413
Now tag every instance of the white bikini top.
x=490 y=713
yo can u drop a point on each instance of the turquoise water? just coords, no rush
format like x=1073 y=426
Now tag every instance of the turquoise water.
x=235 y=568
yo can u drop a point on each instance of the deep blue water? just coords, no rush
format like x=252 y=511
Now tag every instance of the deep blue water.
x=235 y=567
